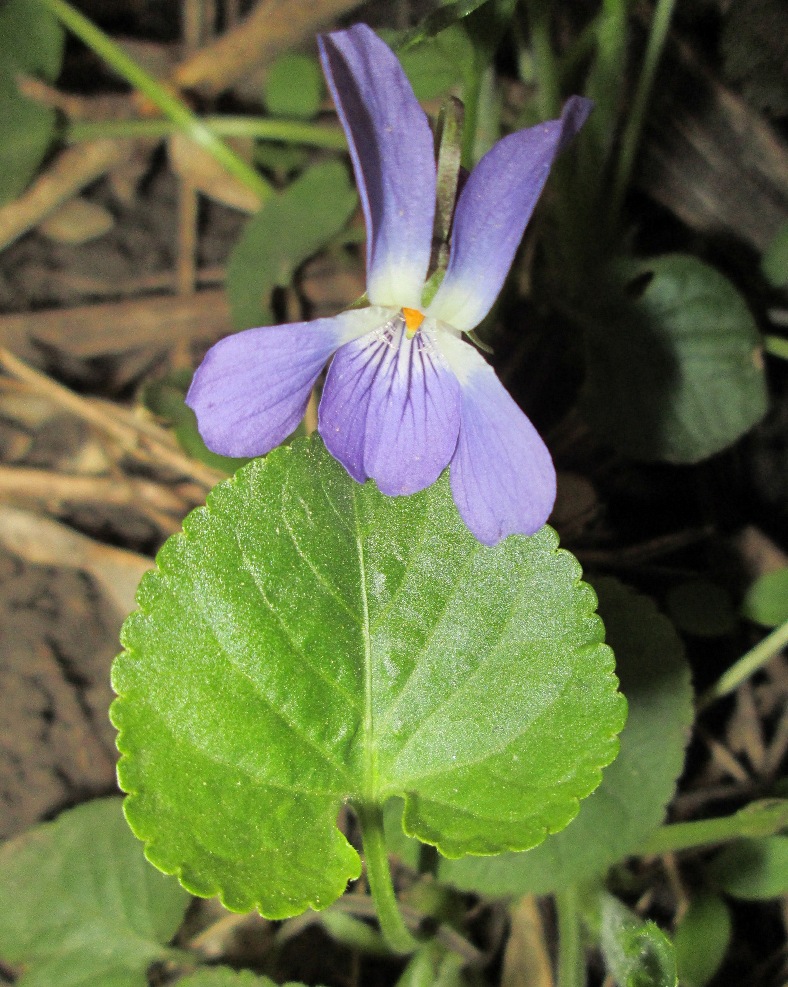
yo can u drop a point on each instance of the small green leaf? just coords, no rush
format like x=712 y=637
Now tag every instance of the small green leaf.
x=637 y=953
x=294 y=87
x=774 y=263
x=165 y=398
x=80 y=903
x=630 y=802
x=676 y=374
x=752 y=869
x=309 y=642
x=436 y=22
x=702 y=608
x=439 y=63
x=288 y=230
x=702 y=939
x=766 y=601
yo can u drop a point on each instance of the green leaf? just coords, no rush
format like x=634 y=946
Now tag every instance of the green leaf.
x=436 y=22
x=766 y=601
x=774 y=262
x=630 y=803
x=308 y=642
x=637 y=953
x=31 y=40
x=676 y=374
x=165 y=398
x=752 y=869
x=294 y=87
x=702 y=608
x=439 y=63
x=80 y=903
x=288 y=230
x=702 y=939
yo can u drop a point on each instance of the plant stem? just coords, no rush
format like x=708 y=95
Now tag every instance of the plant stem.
x=745 y=666
x=571 y=966
x=630 y=139
x=287 y=131
x=757 y=819
x=166 y=100
x=392 y=925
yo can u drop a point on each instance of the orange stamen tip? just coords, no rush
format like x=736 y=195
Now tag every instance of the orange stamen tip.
x=413 y=320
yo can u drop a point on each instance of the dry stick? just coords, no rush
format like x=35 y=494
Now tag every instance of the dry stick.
x=71 y=171
x=272 y=27
x=132 y=435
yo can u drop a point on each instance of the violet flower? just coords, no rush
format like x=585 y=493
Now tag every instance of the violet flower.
x=405 y=396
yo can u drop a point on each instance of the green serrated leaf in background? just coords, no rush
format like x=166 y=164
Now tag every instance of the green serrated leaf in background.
x=80 y=905
x=752 y=869
x=675 y=374
x=637 y=953
x=294 y=87
x=701 y=939
x=630 y=803
x=31 y=42
x=309 y=642
x=766 y=601
x=288 y=230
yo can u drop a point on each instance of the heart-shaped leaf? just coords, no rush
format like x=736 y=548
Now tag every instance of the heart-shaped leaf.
x=308 y=641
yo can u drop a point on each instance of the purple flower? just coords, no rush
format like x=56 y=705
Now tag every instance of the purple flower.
x=405 y=396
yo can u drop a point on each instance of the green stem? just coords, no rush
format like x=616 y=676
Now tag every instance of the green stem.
x=757 y=819
x=745 y=666
x=571 y=965
x=261 y=128
x=392 y=925
x=630 y=139
x=166 y=101
x=776 y=345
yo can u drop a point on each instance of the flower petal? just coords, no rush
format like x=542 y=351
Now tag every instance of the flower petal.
x=492 y=212
x=393 y=156
x=391 y=409
x=502 y=476
x=251 y=390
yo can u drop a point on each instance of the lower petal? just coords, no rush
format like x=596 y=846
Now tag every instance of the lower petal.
x=391 y=410
x=251 y=390
x=502 y=475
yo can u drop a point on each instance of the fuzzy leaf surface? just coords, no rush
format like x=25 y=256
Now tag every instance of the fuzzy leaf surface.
x=309 y=642
x=630 y=802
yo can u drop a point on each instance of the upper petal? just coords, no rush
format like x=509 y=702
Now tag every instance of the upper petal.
x=393 y=156
x=391 y=409
x=492 y=212
x=502 y=475
x=251 y=390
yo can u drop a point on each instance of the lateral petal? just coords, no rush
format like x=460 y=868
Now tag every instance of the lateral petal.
x=391 y=409
x=502 y=475
x=251 y=390
x=393 y=156
x=492 y=212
